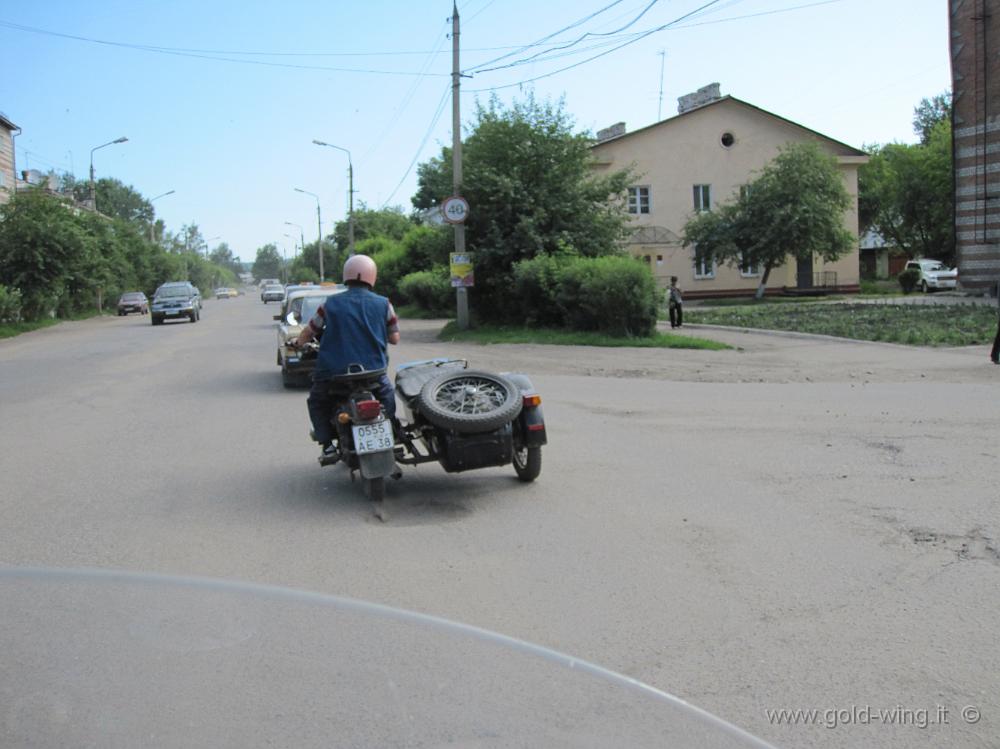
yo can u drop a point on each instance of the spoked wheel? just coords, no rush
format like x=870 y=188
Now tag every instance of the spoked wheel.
x=469 y=401
x=527 y=462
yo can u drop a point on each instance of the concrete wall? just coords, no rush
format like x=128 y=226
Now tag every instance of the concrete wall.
x=676 y=154
x=975 y=69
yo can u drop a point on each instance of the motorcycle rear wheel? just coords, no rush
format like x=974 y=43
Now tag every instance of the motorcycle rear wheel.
x=527 y=463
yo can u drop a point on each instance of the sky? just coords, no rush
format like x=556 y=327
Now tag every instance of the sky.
x=221 y=99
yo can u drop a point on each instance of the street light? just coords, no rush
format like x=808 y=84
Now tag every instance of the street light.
x=302 y=235
x=211 y=239
x=294 y=254
x=350 y=192
x=93 y=192
x=319 y=227
x=152 y=221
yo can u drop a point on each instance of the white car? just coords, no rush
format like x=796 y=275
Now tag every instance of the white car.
x=933 y=274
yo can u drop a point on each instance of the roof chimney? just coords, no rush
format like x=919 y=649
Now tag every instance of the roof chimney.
x=704 y=95
x=616 y=130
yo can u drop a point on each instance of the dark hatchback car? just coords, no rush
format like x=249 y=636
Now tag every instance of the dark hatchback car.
x=133 y=301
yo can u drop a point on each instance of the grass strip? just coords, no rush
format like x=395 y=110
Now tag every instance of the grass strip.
x=487 y=334
x=911 y=324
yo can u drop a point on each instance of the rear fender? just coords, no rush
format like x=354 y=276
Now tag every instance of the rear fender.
x=532 y=423
x=531 y=419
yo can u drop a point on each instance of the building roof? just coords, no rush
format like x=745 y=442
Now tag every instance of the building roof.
x=727 y=97
x=4 y=122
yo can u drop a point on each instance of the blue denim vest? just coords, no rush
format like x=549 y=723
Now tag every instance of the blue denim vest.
x=354 y=332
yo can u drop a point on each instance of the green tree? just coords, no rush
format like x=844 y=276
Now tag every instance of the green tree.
x=906 y=195
x=532 y=191
x=223 y=257
x=388 y=222
x=114 y=198
x=41 y=242
x=928 y=113
x=268 y=263
x=794 y=209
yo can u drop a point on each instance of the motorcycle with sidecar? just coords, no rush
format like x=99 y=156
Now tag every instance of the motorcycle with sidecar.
x=462 y=418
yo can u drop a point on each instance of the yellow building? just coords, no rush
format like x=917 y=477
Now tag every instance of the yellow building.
x=701 y=158
x=8 y=179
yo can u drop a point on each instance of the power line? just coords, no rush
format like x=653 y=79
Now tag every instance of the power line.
x=530 y=58
x=397 y=114
x=208 y=55
x=671 y=26
x=420 y=148
x=602 y=54
x=554 y=33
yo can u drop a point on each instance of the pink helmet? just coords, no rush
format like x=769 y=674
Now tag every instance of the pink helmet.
x=360 y=268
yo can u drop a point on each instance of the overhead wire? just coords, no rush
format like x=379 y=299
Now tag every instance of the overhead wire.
x=568 y=45
x=209 y=56
x=408 y=97
x=672 y=26
x=553 y=34
x=423 y=142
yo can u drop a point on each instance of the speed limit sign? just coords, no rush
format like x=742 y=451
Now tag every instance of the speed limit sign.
x=455 y=209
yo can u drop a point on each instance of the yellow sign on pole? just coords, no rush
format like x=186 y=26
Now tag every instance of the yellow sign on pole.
x=461 y=269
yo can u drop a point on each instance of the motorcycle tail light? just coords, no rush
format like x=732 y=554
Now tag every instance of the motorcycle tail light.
x=368 y=410
x=530 y=401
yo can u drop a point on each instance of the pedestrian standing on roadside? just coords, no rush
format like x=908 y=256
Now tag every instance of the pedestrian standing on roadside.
x=995 y=352
x=675 y=303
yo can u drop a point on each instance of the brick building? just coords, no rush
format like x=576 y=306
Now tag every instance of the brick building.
x=975 y=71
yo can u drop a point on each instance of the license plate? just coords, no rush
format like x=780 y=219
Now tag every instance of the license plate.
x=173 y=312
x=373 y=438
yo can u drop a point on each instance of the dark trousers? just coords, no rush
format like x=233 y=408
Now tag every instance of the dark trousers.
x=324 y=397
x=995 y=353
x=676 y=315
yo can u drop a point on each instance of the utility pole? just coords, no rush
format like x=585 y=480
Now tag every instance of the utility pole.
x=461 y=293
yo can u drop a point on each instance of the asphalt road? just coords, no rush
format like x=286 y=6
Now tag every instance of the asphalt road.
x=797 y=523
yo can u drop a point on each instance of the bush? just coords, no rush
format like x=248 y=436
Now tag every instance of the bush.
x=613 y=295
x=536 y=286
x=429 y=289
x=10 y=304
x=390 y=257
x=908 y=280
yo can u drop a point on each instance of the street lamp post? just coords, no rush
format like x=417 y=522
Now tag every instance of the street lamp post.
x=93 y=191
x=302 y=235
x=350 y=193
x=319 y=227
x=295 y=253
x=210 y=239
x=152 y=221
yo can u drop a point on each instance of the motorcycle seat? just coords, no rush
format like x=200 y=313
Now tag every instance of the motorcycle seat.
x=411 y=378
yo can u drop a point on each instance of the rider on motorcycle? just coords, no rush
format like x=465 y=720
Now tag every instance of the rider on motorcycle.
x=354 y=327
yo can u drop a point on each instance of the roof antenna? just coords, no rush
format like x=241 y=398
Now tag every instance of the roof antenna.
x=663 y=59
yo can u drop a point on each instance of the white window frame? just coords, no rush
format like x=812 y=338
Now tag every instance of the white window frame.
x=753 y=272
x=635 y=196
x=702 y=197
x=709 y=272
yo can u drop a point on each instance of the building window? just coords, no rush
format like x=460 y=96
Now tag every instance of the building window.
x=744 y=192
x=727 y=140
x=659 y=259
x=638 y=200
x=704 y=265
x=748 y=268
x=645 y=259
x=703 y=197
